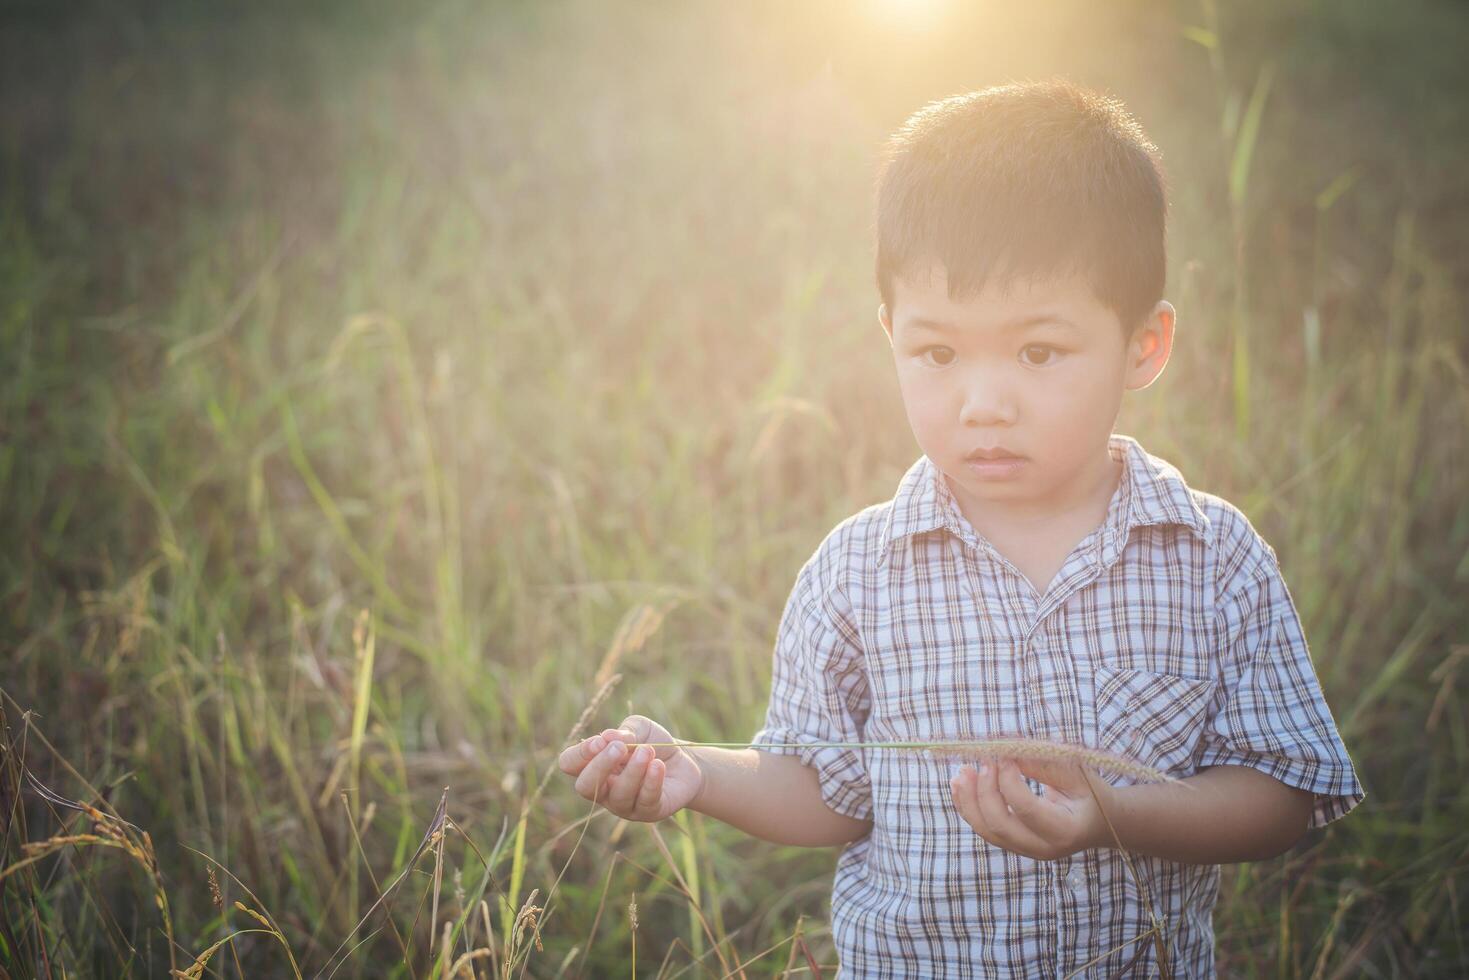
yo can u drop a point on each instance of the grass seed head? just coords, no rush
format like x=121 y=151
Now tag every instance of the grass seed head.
x=972 y=750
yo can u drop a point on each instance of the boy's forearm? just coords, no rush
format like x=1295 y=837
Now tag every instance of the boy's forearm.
x=773 y=797
x=1223 y=815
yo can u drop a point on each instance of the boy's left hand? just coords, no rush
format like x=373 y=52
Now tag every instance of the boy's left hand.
x=1004 y=811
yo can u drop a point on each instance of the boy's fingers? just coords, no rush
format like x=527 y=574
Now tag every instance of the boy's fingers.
x=589 y=783
x=571 y=759
x=636 y=727
x=575 y=757
x=987 y=800
x=1065 y=777
x=964 y=801
x=652 y=790
x=1030 y=811
x=966 y=798
x=622 y=791
x=1008 y=831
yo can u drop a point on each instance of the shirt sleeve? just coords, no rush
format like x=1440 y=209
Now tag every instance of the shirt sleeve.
x=1270 y=713
x=819 y=693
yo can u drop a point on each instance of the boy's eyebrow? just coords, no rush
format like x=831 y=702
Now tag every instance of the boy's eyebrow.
x=1014 y=326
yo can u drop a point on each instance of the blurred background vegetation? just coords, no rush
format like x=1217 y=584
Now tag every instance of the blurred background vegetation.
x=545 y=333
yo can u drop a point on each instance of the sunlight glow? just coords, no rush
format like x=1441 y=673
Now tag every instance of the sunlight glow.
x=912 y=16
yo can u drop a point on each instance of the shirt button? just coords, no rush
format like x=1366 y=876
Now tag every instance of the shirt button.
x=1075 y=881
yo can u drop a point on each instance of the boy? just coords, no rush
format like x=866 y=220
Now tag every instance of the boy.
x=1034 y=575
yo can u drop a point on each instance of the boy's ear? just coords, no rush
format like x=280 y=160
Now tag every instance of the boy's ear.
x=1150 y=346
x=886 y=320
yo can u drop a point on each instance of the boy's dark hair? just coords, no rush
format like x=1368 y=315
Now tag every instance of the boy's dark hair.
x=1025 y=180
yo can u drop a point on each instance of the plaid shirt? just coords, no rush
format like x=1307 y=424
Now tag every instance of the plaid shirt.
x=1168 y=634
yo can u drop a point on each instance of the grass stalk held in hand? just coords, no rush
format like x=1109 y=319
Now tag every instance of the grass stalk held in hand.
x=973 y=750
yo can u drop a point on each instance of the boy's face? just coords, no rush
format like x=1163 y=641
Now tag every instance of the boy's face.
x=1034 y=368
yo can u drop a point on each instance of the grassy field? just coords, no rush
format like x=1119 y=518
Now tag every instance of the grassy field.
x=380 y=379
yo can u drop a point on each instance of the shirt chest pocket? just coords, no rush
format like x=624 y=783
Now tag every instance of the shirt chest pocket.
x=1156 y=719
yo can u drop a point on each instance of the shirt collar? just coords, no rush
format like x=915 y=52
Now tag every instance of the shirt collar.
x=1156 y=490
x=1152 y=491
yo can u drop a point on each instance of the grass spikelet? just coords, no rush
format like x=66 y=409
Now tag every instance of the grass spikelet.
x=1045 y=750
x=109 y=830
x=637 y=626
x=462 y=964
x=632 y=925
x=603 y=690
x=529 y=916
x=195 y=970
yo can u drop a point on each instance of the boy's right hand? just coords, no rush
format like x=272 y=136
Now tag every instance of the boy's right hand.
x=647 y=783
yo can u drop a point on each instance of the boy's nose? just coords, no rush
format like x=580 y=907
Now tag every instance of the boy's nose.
x=986 y=402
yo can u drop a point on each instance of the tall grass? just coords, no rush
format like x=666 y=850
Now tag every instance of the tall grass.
x=382 y=384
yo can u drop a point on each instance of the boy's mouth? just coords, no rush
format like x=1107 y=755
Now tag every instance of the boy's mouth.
x=997 y=463
x=998 y=452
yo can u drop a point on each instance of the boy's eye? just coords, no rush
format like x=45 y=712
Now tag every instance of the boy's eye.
x=937 y=355
x=1045 y=357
